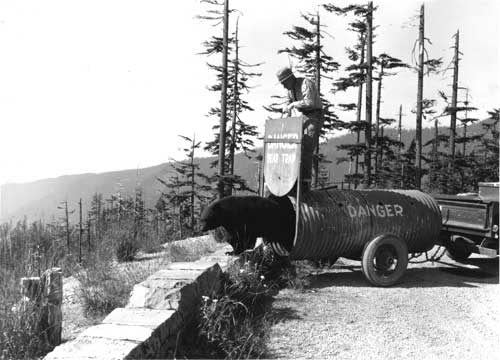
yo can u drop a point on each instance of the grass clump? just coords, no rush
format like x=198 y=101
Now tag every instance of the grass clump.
x=20 y=334
x=126 y=249
x=102 y=289
x=105 y=283
x=234 y=323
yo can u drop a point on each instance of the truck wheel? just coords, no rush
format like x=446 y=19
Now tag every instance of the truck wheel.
x=457 y=249
x=384 y=260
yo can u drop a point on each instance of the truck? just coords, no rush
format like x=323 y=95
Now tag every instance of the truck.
x=470 y=222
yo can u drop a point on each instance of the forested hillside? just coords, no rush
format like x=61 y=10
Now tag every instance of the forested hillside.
x=40 y=199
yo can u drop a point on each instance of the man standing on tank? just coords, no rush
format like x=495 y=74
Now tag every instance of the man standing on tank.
x=304 y=98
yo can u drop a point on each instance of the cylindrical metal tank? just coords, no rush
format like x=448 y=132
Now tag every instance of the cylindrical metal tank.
x=339 y=223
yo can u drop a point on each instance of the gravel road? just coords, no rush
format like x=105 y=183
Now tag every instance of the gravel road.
x=440 y=310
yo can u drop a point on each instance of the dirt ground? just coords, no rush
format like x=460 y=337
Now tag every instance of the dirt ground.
x=440 y=310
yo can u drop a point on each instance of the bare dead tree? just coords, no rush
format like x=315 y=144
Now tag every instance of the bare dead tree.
x=420 y=92
x=368 y=119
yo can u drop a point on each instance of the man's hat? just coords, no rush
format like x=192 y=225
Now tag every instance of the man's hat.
x=284 y=74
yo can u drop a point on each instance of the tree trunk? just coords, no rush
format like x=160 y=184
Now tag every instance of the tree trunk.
x=381 y=155
x=318 y=87
x=80 y=233
x=360 y=101
x=466 y=103
x=368 y=135
x=420 y=89
x=67 y=224
x=119 y=209
x=377 y=123
x=180 y=224
x=232 y=149
x=193 y=183
x=223 y=102
x=453 y=115
x=88 y=233
x=433 y=175
x=400 y=141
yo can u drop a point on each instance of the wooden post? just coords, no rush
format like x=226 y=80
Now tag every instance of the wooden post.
x=52 y=303
x=45 y=293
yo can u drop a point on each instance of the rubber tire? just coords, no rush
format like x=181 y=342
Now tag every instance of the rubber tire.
x=457 y=252
x=367 y=266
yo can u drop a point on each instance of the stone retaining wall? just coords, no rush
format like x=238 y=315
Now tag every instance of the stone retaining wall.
x=157 y=311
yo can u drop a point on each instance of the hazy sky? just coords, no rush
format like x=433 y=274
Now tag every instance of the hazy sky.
x=94 y=86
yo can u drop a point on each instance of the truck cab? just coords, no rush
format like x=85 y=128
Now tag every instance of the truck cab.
x=470 y=222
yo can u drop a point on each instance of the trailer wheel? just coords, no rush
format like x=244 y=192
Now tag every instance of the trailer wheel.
x=457 y=249
x=384 y=260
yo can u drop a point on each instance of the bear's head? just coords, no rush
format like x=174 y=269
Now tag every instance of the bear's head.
x=211 y=217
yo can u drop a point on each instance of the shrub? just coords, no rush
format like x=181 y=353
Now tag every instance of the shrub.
x=234 y=323
x=102 y=290
x=126 y=249
x=20 y=336
x=229 y=329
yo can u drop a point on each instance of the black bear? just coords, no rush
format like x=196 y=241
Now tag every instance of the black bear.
x=247 y=217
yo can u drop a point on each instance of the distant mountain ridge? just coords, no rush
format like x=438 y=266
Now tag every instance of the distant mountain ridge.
x=40 y=199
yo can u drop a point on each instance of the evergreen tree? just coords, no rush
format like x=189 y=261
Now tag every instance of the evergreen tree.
x=356 y=78
x=387 y=158
x=466 y=121
x=385 y=63
x=213 y=46
x=423 y=65
x=409 y=169
x=139 y=213
x=460 y=166
x=488 y=154
x=65 y=220
x=187 y=188
x=95 y=214
x=313 y=62
x=241 y=134
x=437 y=159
